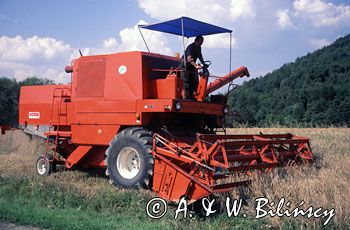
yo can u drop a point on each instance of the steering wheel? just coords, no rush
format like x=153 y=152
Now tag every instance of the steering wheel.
x=205 y=71
x=206 y=64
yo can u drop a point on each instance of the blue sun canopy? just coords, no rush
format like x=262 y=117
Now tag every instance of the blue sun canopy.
x=191 y=27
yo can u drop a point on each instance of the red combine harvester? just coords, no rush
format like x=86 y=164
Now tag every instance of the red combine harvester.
x=125 y=112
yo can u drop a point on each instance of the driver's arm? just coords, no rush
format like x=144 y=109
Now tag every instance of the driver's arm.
x=201 y=60
x=190 y=59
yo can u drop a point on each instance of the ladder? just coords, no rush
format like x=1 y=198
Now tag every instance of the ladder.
x=54 y=137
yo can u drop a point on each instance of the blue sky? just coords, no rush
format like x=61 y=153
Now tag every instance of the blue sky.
x=41 y=37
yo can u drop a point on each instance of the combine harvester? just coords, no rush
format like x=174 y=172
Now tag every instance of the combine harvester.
x=124 y=112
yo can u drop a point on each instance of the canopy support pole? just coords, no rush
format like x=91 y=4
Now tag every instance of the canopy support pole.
x=144 y=41
x=228 y=89
x=230 y=51
x=183 y=40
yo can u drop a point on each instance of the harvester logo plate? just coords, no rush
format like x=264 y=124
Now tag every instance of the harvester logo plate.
x=122 y=69
x=34 y=115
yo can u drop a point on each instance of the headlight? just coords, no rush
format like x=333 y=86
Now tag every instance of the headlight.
x=177 y=105
x=225 y=109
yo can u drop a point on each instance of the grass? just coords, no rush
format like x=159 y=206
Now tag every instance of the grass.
x=78 y=200
x=39 y=202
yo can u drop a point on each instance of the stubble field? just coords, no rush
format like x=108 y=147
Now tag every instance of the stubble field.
x=85 y=200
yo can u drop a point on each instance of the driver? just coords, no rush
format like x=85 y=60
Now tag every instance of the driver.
x=189 y=73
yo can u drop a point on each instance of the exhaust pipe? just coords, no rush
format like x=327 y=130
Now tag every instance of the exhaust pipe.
x=69 y=69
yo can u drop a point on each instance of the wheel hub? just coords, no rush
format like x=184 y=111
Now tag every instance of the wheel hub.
x=41 y=167
x=128 y=163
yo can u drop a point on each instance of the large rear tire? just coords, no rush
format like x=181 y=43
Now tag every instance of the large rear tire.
x=129 y=158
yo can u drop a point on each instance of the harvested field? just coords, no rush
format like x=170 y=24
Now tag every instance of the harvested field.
x=325 y=184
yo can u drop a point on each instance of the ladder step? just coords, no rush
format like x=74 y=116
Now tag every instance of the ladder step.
x=59 y=133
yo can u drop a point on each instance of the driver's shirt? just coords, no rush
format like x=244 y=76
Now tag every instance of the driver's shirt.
x=194 y=51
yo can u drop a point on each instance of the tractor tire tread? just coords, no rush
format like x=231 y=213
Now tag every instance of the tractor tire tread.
x=145 y=138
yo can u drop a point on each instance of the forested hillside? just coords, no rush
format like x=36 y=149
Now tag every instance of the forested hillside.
x=313 y=90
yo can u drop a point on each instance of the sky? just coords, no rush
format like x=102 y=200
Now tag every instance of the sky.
x=39 y=38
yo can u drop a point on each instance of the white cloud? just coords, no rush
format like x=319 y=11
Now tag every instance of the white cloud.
x=219 y=41
x=241 y=9
x=320 y=13
x=20 y=58
x=47 y=57
x=161 y=9
x=319 y=43
x=213 y=11
x=108 y=46
x=283 y=19
x=167 y=9
x=33 y=48
x=132 y=40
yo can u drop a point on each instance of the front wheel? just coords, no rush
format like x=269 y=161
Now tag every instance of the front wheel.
x=43 y=166
x=129 y=158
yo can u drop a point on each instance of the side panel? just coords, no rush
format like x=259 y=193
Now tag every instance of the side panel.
x=160 y=105
x=35 y=105
x=91 y=78
x=93 y=134
x=124 y=76
x=105 y=112
x=170 y=87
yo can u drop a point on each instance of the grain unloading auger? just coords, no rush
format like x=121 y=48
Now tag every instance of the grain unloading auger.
x=124 y=112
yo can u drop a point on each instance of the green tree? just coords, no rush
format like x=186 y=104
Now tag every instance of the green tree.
x=8 y=100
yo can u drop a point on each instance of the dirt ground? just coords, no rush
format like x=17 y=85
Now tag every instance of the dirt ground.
x=10 y=226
